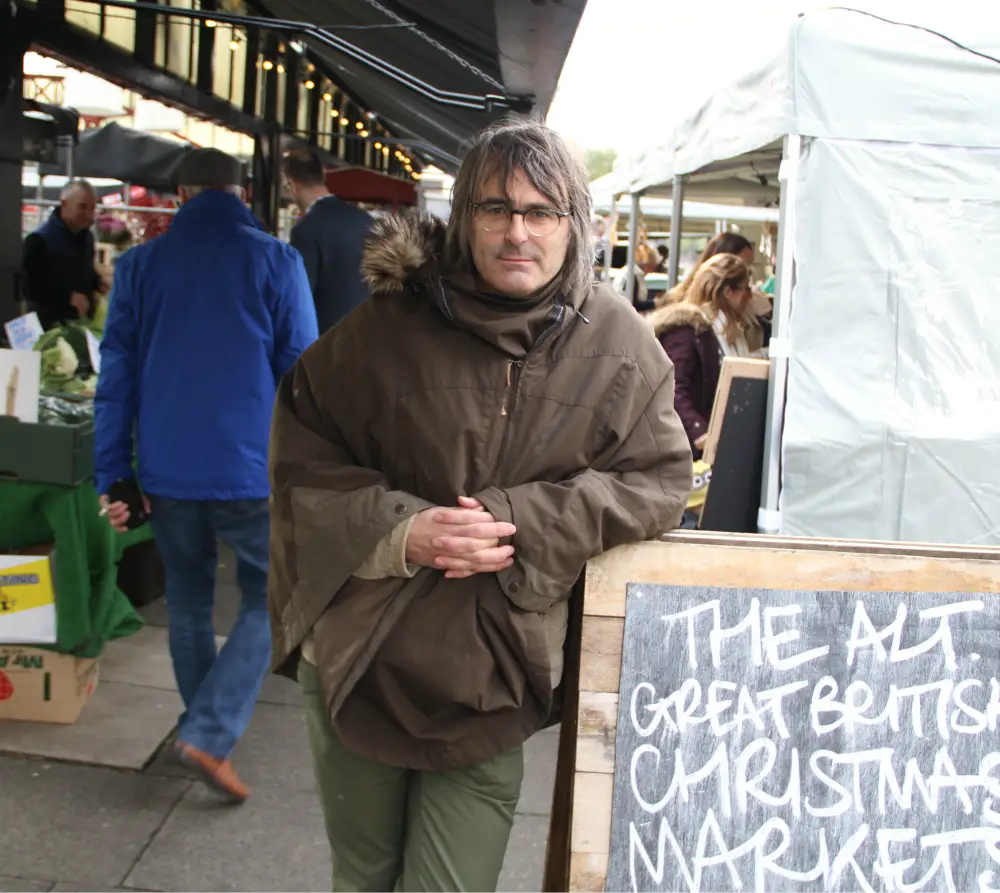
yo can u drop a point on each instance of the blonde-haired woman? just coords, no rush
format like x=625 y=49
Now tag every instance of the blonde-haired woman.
x=710 y=323
x=722 y=243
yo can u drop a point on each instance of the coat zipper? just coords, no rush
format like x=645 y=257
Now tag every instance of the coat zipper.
x=514 y=368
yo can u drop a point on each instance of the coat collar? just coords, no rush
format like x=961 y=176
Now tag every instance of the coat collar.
x=673 y=316
x=218 y=206
x=404 y=253
x=56 y=224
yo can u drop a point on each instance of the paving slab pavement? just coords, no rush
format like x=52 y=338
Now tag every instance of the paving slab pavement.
x=79 y=826
x=84 y=825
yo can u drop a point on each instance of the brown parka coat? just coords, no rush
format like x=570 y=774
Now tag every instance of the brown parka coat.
x=556 y=414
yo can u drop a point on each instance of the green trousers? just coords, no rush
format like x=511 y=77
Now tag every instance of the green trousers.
x=403 y=830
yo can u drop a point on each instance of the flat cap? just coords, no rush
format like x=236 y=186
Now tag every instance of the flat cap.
x=209 y=167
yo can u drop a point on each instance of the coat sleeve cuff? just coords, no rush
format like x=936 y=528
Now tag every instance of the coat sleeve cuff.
x=523 y=585
x=388 y=559
x=497 y=504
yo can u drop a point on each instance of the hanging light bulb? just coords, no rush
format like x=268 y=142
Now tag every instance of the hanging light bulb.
x=268 y=65
x=312 y=68
x=385 y=150
x=234 y=44
x=364 y=134
x=334 y=113
x=378 y=145
x=359 y=125
x=328 y=97
x=281 y=68
x=344 y=122
x=210 y=24
x=310 y=84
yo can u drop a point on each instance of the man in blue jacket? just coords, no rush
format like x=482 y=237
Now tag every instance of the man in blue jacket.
x=203 y=322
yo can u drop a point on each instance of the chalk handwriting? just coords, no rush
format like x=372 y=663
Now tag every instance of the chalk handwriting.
x=803 y=773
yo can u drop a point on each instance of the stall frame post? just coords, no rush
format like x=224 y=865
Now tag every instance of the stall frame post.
x=769 y=515
x=676 y=222
x=633 y=242
x=611 y=236
x=11 y=160
x=267 y=179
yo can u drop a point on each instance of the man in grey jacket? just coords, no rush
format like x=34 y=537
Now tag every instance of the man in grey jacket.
x=330 y=237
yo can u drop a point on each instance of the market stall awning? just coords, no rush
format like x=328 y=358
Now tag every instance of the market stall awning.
x=440 y=77
x=114 y=152
x=358 y=184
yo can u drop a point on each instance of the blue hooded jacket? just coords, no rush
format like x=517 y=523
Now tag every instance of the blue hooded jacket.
x=203 y=322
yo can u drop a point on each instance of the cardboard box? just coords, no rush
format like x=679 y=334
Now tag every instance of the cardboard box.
x=42 y=686
x=28 y=597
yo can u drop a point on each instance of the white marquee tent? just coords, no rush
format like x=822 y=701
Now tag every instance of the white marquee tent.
x=884 y=411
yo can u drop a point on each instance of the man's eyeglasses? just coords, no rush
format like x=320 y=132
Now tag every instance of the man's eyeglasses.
x=495 y=217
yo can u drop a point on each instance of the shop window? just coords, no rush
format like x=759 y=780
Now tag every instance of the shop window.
x=223 y=62
x=281 y=78
x=86 y=16
x=119 y=28
x=302 y=119
x=258 y=106
x=182 y=43
x=160 y=40
x=237 y=73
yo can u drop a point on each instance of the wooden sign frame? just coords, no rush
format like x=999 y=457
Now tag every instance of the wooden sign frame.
x=732 y=367
x=580 y=827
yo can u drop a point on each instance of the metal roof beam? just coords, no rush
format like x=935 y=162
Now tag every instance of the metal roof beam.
x=478 y=102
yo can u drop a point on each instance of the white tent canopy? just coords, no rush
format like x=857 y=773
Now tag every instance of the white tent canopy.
x=842 y=74
x=836 y=74
x=884 y=398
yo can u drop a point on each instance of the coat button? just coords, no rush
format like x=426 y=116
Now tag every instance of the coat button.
x=514 y=588
x=400 y=509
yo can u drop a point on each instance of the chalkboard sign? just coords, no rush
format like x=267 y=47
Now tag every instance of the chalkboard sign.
x=733 y=497
x=807 y=740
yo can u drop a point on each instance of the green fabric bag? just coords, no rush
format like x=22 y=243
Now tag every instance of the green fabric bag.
x=90 y=608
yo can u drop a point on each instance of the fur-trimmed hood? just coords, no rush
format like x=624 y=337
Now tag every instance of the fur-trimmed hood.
x=673 y=316
x=399 y=248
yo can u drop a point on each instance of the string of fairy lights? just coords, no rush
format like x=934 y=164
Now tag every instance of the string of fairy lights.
x=365 y=129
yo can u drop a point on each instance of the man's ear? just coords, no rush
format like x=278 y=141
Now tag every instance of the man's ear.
x=182 y=195
x=243 y=194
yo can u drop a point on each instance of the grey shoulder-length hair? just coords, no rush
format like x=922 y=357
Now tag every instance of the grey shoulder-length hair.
x=544 y=158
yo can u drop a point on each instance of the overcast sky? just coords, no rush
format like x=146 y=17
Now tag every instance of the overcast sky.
x=683 y=50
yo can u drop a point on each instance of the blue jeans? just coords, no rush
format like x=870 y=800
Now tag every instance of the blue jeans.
x=219 y=689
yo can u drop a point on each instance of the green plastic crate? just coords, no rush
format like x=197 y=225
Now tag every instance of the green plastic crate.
x=46 y=454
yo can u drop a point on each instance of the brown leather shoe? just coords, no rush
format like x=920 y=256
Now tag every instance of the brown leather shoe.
x=217 y=774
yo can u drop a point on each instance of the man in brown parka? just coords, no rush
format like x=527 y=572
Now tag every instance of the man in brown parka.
x=444 y=462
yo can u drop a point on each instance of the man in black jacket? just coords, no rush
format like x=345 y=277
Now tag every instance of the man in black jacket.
x=58 y=259
x=330 y=237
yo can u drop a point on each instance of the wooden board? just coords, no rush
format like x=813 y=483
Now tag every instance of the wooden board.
x=732 y=367
x=700 y=559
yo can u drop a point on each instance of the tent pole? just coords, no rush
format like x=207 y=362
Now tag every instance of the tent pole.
x=769 y=516
x=633 y=240
x=676 y=222
x=611 y=236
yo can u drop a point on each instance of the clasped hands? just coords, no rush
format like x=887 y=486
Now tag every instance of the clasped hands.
x=460 y=541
